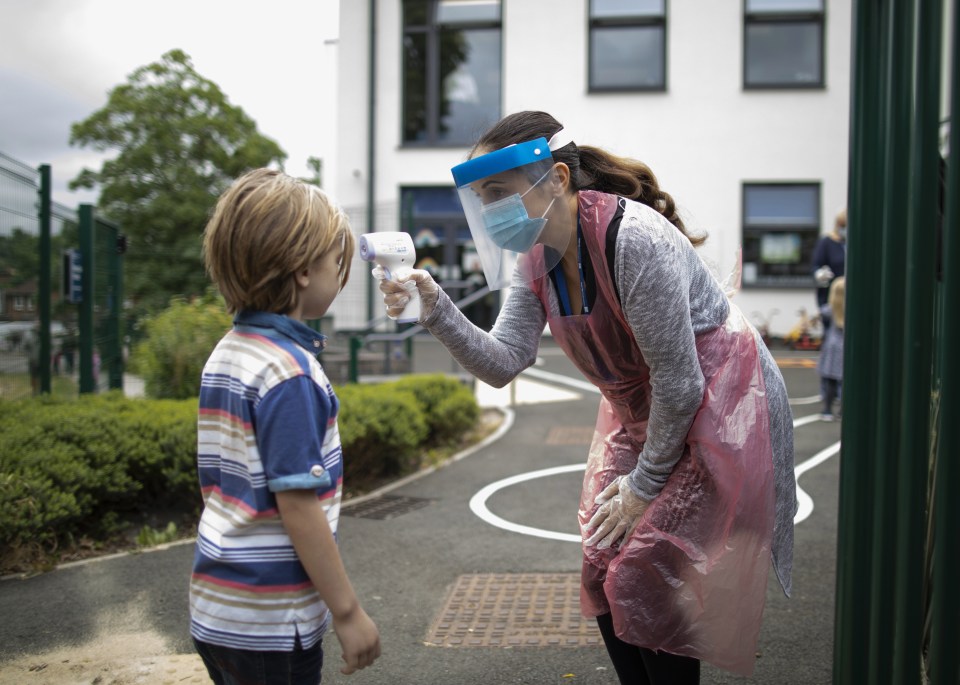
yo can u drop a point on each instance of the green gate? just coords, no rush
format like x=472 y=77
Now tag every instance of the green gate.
x=897 y=606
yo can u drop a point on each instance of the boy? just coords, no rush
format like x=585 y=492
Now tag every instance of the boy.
x=267 y=576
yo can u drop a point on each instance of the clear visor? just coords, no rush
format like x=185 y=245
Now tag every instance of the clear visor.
x=509 y=213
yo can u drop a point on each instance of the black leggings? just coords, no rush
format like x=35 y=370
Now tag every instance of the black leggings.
x=641 y=666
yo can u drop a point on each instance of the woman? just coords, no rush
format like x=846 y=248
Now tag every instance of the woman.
x=689 y=483
x=829 y=260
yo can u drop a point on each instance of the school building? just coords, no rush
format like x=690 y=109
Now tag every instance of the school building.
x=741 y=109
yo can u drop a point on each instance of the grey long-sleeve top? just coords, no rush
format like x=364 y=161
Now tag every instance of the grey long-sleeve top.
x=668 y=297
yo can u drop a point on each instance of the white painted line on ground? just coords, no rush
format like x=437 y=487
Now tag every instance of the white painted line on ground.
x=562 y=380
x=804 y=501
x=478 y=504
x=813 y=399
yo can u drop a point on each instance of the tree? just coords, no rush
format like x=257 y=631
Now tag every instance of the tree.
x=178 y=143
x=19 y=256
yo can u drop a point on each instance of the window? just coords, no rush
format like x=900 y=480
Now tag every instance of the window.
x=781 y=224
x=451 y=70
x=783 y=44
x=628 y=45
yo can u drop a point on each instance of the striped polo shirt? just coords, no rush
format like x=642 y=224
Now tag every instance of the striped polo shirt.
x=267 y=423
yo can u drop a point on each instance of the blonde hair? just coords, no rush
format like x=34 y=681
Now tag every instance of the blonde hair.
x=265 y=228
x=835 y=299
x=840 y=219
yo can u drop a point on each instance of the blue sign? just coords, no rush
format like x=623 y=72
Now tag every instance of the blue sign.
x=72 y=276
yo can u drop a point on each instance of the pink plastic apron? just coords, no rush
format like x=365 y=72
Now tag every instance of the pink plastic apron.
x=691 y=579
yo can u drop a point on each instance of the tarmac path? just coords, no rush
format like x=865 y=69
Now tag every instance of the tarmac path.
x=435 y=576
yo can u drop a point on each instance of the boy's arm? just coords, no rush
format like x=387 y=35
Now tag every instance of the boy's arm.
x=306 y=524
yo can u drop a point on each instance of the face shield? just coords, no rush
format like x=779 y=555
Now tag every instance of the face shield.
x=508 y=199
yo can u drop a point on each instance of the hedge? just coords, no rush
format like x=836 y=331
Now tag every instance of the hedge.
x=84 y=467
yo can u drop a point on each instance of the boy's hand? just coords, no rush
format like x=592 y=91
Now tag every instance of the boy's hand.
x=359 y=639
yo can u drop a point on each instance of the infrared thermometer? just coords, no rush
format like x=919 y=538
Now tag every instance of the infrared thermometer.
x=394 y=252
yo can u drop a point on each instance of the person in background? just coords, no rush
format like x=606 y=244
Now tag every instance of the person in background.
x=829 y=259
x=689 y=488
x=830 y=363
x=267 y=577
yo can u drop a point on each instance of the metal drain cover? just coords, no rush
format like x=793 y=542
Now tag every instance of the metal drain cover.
x=570 y=435
x=513 y=610
x=386 y=507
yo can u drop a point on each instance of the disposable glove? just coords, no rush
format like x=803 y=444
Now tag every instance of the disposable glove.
x=396 y=294
x=620 y=511
x=823 y=276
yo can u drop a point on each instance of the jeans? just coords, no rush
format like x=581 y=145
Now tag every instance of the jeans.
x=229 y=666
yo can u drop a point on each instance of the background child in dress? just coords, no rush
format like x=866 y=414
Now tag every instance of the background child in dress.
x=830 y=364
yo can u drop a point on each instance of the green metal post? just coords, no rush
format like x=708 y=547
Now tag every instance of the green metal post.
x=944 y=656
x=890 y=340
x=116 y=322
x=85 y=313
x=356 y=342
x=858 y=459
x=46 y=348
x=914 y=448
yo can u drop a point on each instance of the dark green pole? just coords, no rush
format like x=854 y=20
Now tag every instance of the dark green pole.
x=116 y=368
x=889 y=394
x=353 y=371
x=85 y=314
x=923 y=181
x=371 y=140
x=944 y=654
x=44 y=278
x=858 y=460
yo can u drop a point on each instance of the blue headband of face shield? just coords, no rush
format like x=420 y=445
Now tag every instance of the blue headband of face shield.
x=507 y=158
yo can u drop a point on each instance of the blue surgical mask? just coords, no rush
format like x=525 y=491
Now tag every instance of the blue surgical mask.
x=508 y=224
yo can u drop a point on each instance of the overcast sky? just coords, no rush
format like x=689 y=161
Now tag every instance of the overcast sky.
x=60 y=58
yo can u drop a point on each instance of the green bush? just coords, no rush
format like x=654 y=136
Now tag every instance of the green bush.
x=84 y=468
x=73 y=468
x=381 y=429
x=176 y=345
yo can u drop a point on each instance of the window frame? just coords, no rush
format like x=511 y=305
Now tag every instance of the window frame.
x=432 y=30
x=628 y=22
x=812 y=231
x=786 y=17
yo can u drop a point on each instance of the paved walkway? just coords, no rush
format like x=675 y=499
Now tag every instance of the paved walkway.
x=426 y=569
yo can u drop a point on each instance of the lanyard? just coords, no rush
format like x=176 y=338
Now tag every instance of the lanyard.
x=561 y=281
x=583 y=287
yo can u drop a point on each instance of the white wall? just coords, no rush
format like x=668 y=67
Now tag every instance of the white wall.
x=703 y=138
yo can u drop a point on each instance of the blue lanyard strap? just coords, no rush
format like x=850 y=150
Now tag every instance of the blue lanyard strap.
x=583 y=287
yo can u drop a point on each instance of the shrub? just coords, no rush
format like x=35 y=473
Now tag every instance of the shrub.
x=72 y=468
x=177 y=343
x=381 y=430
x=449 y=406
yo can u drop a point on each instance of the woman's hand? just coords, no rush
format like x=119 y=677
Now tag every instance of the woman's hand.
x=396 y=294
x=620 y=511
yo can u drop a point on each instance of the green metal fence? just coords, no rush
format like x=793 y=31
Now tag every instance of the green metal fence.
x=48 y=343
x=897 y=605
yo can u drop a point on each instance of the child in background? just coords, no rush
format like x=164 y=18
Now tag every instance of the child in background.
x=830 y=364
x=267 y=577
